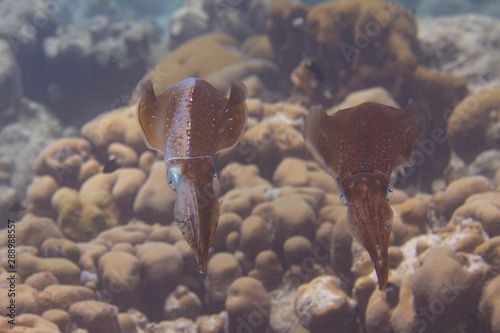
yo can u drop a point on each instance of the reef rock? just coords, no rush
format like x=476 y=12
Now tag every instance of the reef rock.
x=447 y=41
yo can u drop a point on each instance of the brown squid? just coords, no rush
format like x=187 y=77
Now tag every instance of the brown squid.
x=361 y=146
x=189 y=123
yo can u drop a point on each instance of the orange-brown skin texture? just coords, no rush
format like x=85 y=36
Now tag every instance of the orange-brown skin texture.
x=362 y=146
x=189 y=123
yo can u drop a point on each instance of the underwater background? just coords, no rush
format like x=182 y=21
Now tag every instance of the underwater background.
x=88 y=216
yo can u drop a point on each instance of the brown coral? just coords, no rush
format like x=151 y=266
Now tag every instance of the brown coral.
x=161 y=269
x=455 y=194
x=222 y=270
x=297 y=172
x=82 y=217
x=30 y=323
x=360 y=44
x=119 y=276
x=63 y=160
x=95 y=316
x=119 y=125
x=248 y=306
x=123 y=185
x=444 y=289
x=489 y=305
x=188 y=61
x=321 y=306
x=255 y=236
x=289 y=215
x=469 y=120
x=32 y=231
x=286 y=31
x=155 y=200
x=63 y=269
x=39 y=193
x=484 y=208
x=267 y=267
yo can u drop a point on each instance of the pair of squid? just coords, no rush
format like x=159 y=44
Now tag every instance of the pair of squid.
x=191 y=121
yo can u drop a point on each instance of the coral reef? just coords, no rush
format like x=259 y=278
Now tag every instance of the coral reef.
x=97 y=249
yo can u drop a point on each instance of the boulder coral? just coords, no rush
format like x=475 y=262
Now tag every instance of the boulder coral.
x=28 y=300
x=258 y=46
x=228 y=222
x=30 y=323
x=483 y=207
x=391 y=309
x=82 y=217
x=63 y=160
x=212 y=324
x=490 y=250
x=270 y=140
x=124 y=155
x=90 y=253
x=285 y=29
x=297 y=249
x=265 y=70
x=41 y=280
x=236 y=175
x=116 y=126
x=95 y=316
x=188 y=61
x=39 y=193
x=443 y=288
x=444 y=203
x=59 y=317
x=297 y=172
x=119 y=278
x=67 y=248
x=242 y=201
x=267 y=267
x=489 y=304
x=63 y=269
x=255 y=236
x=470 y=122
x=155 y=200
x=63 y=296
x=287 y=216
x=222 y=270
x=182 y=303
x=360 y=52
x=248 y=306
x=33 y=231
x=322 y=306
x=123 y=185
x=161 y=268
x=135 y=232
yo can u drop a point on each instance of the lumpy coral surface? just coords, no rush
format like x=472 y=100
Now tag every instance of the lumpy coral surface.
x=97 y=245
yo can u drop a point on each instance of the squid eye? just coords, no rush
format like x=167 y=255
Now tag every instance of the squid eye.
x=173 y=177
x=390 y=189
x=342 y=197
x=215 y=177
